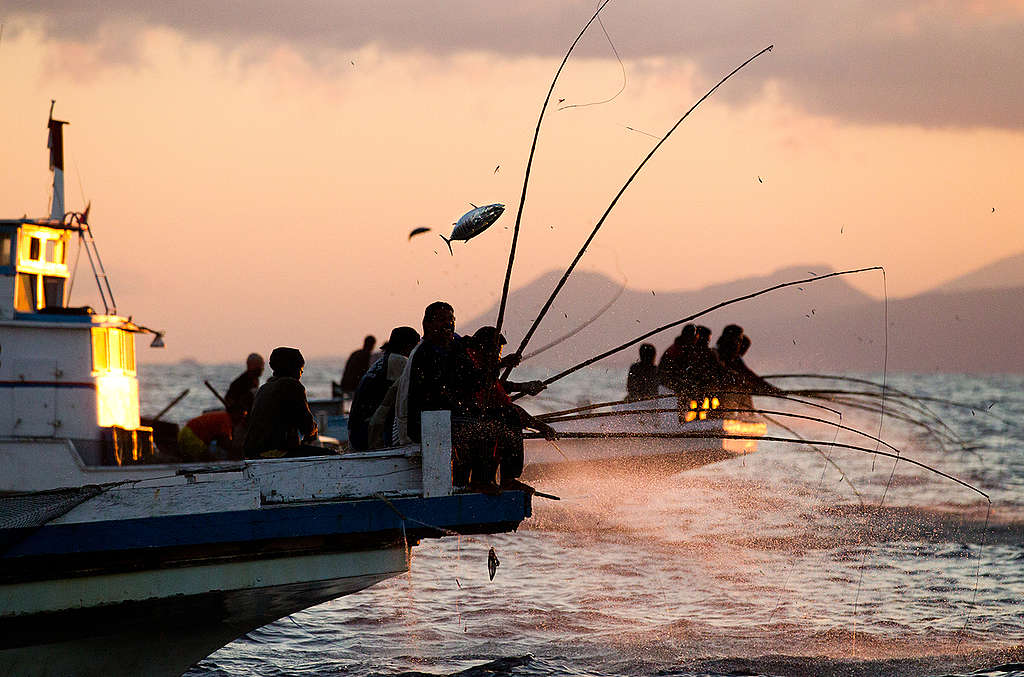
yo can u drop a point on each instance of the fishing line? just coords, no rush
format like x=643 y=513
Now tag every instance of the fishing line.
x=621 y=65
x=723 y=435
x=764 y=412
x=689 y=318
x=589 y=407
x=830 y=395
x=842 y=474
x=529 y=166
x=580 y=328
x=611 y=206
x=920 y=399
x=885 y=367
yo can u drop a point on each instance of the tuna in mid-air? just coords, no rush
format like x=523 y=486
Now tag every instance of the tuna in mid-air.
x=474 y=222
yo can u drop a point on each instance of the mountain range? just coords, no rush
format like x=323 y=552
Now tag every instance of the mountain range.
x=972 y=324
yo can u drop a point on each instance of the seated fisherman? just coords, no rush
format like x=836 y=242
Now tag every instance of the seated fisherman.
x=748 y=377
x=373 y=402
x=488 y=428
x=280 y=423
x=700 y=376
x=241 y=393
x=676 y=358
x=642 y=380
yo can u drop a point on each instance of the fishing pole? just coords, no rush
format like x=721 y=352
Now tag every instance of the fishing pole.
x=529 y=166
x=919 y=398
x=166 y=409
x=763 y=412
x=601 y=405
x=600 y=222
x=689 y=318
x=827 y=457
x=949 y=435
x=766 y=438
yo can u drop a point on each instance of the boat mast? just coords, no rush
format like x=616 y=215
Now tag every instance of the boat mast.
x=56 y=146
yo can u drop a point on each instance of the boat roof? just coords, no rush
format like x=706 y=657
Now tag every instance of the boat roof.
x=47 y=223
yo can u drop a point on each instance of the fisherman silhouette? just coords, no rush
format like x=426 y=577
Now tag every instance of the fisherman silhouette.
x=280 y=423
x=642 y=381
x=356 y=365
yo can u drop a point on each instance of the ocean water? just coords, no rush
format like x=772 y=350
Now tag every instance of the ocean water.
x=790 y=561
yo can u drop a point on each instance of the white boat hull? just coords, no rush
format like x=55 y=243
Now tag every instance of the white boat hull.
x=630 y=437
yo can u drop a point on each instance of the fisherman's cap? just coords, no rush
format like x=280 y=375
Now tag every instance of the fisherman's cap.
x=402 y=337
x=254 y=358
x=286 y=359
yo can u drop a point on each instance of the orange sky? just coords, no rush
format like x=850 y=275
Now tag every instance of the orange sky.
x=253 y=189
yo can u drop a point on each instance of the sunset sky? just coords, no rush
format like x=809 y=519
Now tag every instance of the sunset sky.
x=256 y=166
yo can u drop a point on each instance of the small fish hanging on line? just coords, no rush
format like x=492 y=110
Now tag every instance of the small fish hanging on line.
x=492 y=563
x=417 y=231
x=473 y=222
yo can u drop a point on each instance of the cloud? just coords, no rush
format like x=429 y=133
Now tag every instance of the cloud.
x=918 y=62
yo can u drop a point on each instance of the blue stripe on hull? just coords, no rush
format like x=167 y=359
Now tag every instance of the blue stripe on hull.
x=463 y=513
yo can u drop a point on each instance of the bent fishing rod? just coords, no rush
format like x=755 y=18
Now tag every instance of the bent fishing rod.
x=690 y=318
x=529 y=166
x=615 y=200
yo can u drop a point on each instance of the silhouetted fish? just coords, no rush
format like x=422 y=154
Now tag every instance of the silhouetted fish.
x=474 y=222
x=417 y=231
x=492 y=563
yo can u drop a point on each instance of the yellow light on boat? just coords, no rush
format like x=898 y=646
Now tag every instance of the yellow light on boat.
x=703 y=415
x=714 y=403
x=117 y=401
x=734 y=427
x=690 y=415
x=706 y=404
x=693 y=404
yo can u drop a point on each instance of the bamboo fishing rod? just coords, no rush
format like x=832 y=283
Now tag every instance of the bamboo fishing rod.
x=827 y=457
x=611 y=206
x=529 y=166
x=745 y=297
x=919 y=398
x=650 y=398
x=763 y=412
x=904 y=411
x=765 y=438
x=889 y=388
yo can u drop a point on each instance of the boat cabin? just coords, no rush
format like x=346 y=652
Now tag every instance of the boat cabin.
x=66 y=373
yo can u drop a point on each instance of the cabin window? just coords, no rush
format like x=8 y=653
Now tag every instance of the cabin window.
x=116 y=349
x=59 y=253
x=128 y=350
x=99 y=350
x=25 y=293
x=5 y=249
x=51 y=251
x=53 y=291
x=33 y=249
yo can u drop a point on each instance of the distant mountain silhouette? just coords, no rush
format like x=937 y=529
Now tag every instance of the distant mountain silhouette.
x=824 y=326
x=1002 y=274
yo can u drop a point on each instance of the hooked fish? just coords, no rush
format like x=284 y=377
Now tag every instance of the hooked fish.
x=473 y=222
x=492 y=563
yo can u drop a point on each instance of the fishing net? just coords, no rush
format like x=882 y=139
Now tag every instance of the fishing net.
x=19 y=511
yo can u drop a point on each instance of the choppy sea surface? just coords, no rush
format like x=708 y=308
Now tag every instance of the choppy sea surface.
x=790 y=561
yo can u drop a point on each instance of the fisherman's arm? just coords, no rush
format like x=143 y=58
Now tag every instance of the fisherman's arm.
x=304 y=419
x=528 y=387
x=530 y=421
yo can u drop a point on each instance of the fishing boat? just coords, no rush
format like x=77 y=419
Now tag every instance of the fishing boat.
x=114 y=559
x=659 y=435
